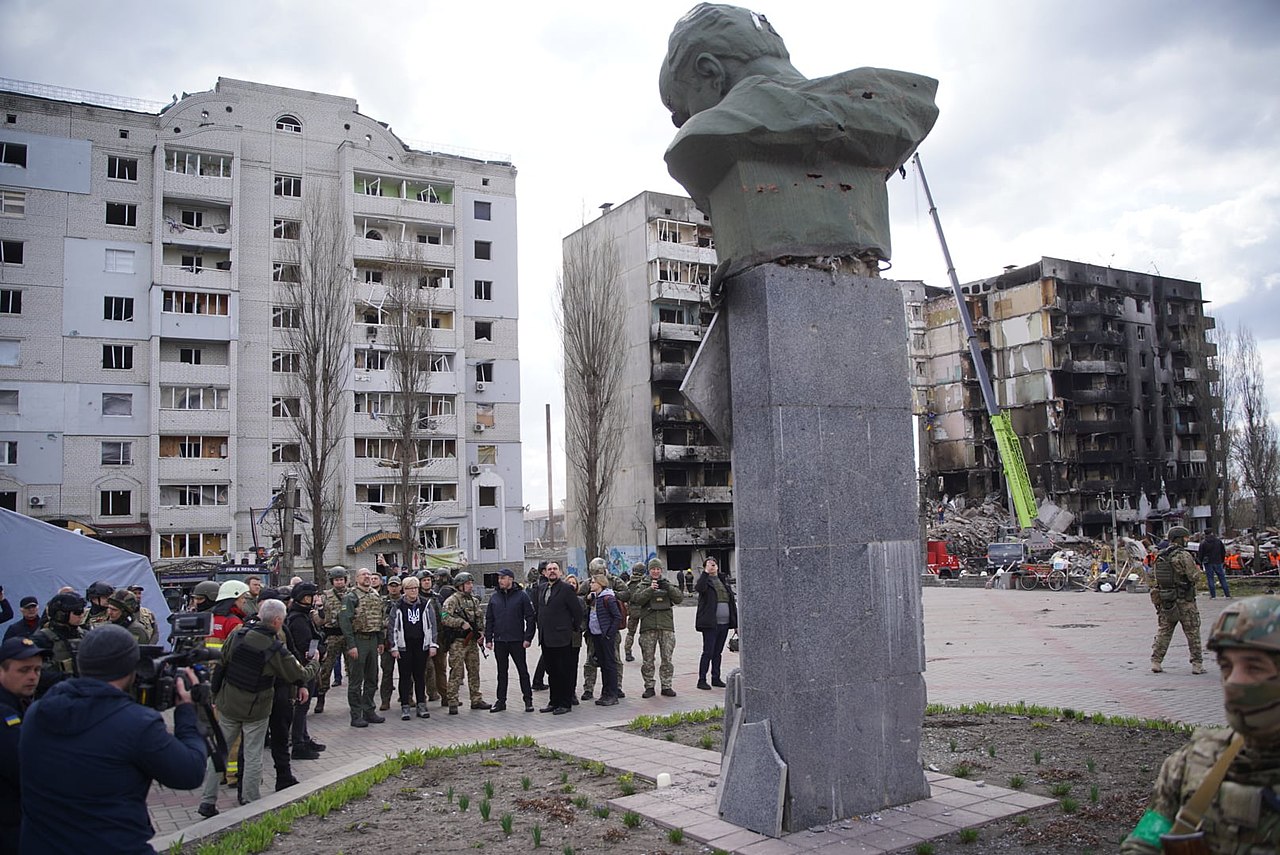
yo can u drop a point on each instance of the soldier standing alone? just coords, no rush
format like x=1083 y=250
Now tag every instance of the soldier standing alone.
x=1175 y=576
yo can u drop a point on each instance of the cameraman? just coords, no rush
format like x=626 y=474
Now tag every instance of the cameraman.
x=116 y=748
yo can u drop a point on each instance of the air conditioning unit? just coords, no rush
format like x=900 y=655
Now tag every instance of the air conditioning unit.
x=36 y=502
x=478 y=428
x=446 y=282
x=474 y=469
x=480 y=385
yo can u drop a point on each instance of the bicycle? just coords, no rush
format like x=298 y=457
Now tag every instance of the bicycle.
x=1033 y=575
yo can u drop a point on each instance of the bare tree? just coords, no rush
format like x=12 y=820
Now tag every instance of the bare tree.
x=316 y=316
x=408 y=326
x=1255 y=445
x=1226 y=420
x=590 y=315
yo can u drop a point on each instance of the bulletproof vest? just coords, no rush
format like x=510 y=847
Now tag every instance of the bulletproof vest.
x=1242 y=817
x=332 y=605
x=366 y=613
x=63 y=657
x=249 y=657
x=1163 y=570
x=468 y=608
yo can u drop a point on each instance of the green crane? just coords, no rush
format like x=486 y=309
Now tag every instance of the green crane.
x=1007 y=443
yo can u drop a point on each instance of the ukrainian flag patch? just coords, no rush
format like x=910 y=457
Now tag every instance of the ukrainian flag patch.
x=13 y=720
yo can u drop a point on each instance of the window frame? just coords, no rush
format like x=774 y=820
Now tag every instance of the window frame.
x=284 y=228
x=108 y=499
x=13 y=253
x=282 y=184
x=116 y=400
x=286 y=362
x=13 y=204
x=125 y=452
x=125 y=354
x=13 y=154
x=129 y=211
x=483 y=290
x=289 y=124
x=112 y=261
x=10 y=301
x=479 y=206
x=118 y=163
x=482 y=250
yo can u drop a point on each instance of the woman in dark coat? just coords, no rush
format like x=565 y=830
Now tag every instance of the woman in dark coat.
x=717 y=614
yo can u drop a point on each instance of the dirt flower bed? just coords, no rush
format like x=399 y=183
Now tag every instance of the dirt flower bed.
x=506 y=800
x=1099 y=773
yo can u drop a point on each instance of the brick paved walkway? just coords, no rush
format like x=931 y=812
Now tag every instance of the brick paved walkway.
x=1087 y=651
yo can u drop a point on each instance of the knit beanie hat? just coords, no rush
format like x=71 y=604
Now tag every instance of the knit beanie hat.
x=107 y=653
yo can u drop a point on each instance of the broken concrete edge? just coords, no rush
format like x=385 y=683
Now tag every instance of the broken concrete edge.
x=753 y=794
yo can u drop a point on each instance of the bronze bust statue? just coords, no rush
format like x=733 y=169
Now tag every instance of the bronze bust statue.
x=785 y=166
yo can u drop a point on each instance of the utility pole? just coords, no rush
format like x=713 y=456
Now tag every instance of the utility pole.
x=551 y=507
x=286 y=527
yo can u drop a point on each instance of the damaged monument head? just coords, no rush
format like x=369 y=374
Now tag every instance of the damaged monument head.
x=786 y=167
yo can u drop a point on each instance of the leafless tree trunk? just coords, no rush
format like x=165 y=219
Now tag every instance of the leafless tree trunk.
x=590 y=315
x=1226 y=419
x=1255 y=446
x=317 y=326
x=408 y=330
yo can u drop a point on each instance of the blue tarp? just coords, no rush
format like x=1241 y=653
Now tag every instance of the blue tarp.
x=36 y=559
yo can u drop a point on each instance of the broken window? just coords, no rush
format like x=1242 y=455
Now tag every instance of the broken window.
x=13 y=154
x=115 y=503
x=286 y=317
x=286 y=452
x=485 y=415
x=122 y=214
x=117 y=454
x=487 y=454
x=286 y=362
x=122 y=168
x=117 y=357
x=282 y=229
x=370 y=359
x=488 y=538
x=484 y=372
x=286 y=273
x=437 y=492
x=12 y=252
x=190 y=355
x=195 y=303
x=488 y=497
x=288 y=185
x=439 y=537
x=484 y=289
x=484 y=331
x=285 y=408
x=10 y=301
x=117 y=404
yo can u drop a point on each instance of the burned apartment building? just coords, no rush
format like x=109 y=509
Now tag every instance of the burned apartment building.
x=673 y=494
x=1111 y=381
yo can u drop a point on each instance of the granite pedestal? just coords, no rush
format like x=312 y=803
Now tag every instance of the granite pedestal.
x=828 y=543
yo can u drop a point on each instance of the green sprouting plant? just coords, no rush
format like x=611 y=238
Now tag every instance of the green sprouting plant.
x=951 y=743
x=991 y=751
x=567 y=788
x=602 y=811
x=488 y=789
x=968 y=835
x=670 y=737
x=1037 y=756
x=675 y=835
x=464 y=802
x=627 y=782
x=924 y=849
x=595 y=767
x=491 y=762
x=581 y=802
x=1060 y=789
x=962 y=770
x=706 y=740
x=526 y=782
x=448 y=794
x=567 y=850
x=1017 y=782
x=1069 y=805
x=485 y=808
x=1093 y=794
x=1022 y=821
x=564 y=777
x=537 y=836
x=507 y=821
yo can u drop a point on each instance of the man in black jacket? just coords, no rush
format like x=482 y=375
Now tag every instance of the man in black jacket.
x=19 y=674
x=300 y=632
x=559 y=617
x=508 y=632
x=1213 y=554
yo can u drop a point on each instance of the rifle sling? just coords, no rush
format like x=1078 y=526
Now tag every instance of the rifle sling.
x=1192 y=813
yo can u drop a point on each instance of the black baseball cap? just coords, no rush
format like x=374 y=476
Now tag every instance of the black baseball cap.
x=28 y=601
x=19 y=648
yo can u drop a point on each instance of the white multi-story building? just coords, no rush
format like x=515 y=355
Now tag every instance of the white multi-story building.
x=144 y=349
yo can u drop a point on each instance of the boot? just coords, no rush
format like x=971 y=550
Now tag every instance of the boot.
x=607 y=701
x=373 y=718
x=405 y=713
x=482 y=705
x=717 y=682
x=619 y=694
x=1197 y=667
x=1156 y=667
x=668 y=692
x=386 y=704
x=207 y=810
x=630 y=658
x=703 y=684
x=303 y=751
x=453 y=709
x=284 y=781
x=423 y=712
x=313 y=745
x=357 y=720
x=319 y=708
x=500 y=706
x=648 y=692
x=588 y=695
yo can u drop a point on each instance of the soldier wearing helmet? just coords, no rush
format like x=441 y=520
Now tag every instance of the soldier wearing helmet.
x=61 y=635
x=204 y=595
x=331 y=643
x=97 y=594
x=463 y=618
x=1243 y=814
x=122 y=610
x=1174 y=592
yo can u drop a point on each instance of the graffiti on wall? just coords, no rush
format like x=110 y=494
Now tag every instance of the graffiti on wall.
x=620 y=559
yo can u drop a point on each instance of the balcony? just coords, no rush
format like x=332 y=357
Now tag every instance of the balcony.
x=1105 y=485
x=193 y=326
x=668 y=372
x=1110 y=455
x=690 y=454
x=195 y=422
x=675 y=332
x=1193 y=456
x=202 y=278
x=1201 y=512
x=394 y=208
x=1188 y=428
x=673 y=413
x=192 y=518
x=1092 y=366
x=1112 y=337
x=185 y=374
x=203 y=188
x=1098 y=426
x=694 y=536
x=174 y=233
x=1107 y=309
x=427 y=254
x=1097 y=396
x=690 y=495
x=681 y=252
x=680 y=292
x=194 y=470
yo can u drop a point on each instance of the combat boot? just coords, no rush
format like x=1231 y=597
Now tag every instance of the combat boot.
x=453 y=709
x=373 y=718
x=319 y=704
x=482 y=705
x=648 y=692
x=405 y=713
x=423 y=712
x=1197 y=667
x=1156 y=667
x=305 y=752
x=357 y=720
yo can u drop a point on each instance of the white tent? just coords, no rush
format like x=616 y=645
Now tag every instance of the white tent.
x=36 y=559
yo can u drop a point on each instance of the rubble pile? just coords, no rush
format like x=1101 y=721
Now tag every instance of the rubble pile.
x=967 y=532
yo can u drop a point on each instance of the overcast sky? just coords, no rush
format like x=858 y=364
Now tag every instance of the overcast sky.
x=1135 y=133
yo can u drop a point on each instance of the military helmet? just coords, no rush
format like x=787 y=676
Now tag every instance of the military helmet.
x=125 y=600
x=62 y=605
x=232 y=589
x=637 y=570
x=462 y=578
x=338 y=572
x=1252 y=622
x=207 y=589
x=1178 y=531
x=270 y=594
x=99 y=589
x=597 y=565
x=442 y=575
x=304 y=589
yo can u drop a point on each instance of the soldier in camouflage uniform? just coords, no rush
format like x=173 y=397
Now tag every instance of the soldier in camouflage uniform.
x=1175 y=574
x=363 y=631
x=657 y=628
x=332 y=643
x=146 y=617
x=633 y=618
x=122 y=610
x=622 y=591
x=1243 y=817
x=97 y=594
x=463 y=617
x=390 y=596
x=60 y=636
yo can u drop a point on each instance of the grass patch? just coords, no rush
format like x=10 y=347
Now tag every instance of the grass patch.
x=675 y=835
x=464 y=802
x=537 y=836
x=581 y=802
x=962 y=770
x=485 y=809
x=924 y=849
x=1069 y=805
x=1037 y=756
x=526 y=782
x=1017 y=782
x=507 y=821
x=602 y=811
x=631 y=819
x=1093 y=794
x=1023 y=708
x=968 y=835
x=627 y=783
x=1060 y=789
x=488 y=789
x=706 y=740
x=649 y=722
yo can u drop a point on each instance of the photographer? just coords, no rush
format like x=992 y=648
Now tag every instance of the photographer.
x=90 y=725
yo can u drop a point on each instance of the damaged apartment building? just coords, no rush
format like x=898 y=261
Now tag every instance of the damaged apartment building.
x=1111 y=381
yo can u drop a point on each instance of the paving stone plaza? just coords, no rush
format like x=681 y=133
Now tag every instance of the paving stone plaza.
x=1086 y=651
